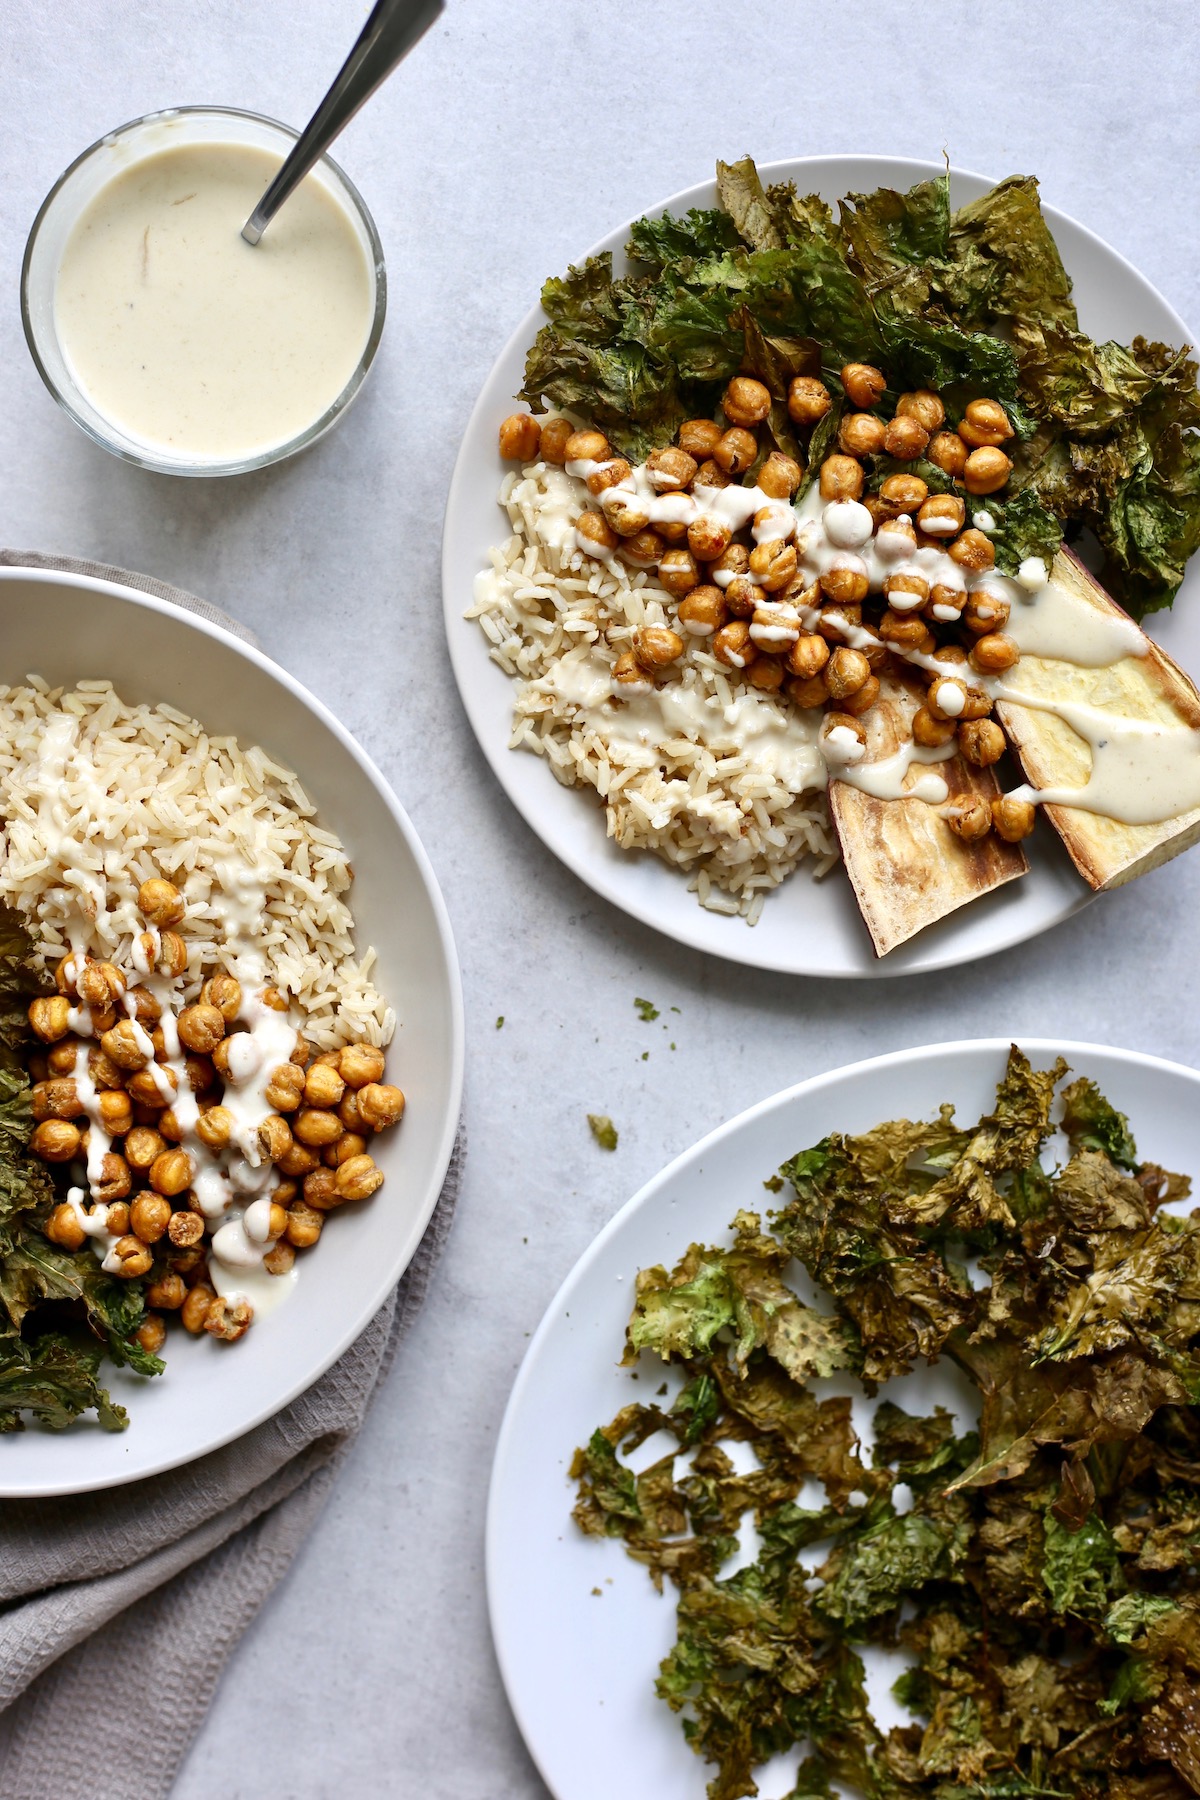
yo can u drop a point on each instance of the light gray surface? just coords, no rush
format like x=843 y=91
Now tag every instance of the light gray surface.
x=516 y=136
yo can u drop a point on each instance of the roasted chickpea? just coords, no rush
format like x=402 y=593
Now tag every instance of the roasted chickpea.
x=947 y=452
x=150 y=1214
x=168 y=1292
x=845 y=672
x=845 y=584
x=707 y=538
x=100 y=986
x=842 y=722
x=279 y=1259
x=610 y=474
x=68 y=970
x=924 y=406
x=351 y=1143
x=773 y=564
x=986 y=423
x=320 y=1189
x=906 y=592
x=670 y=469
x=834 y=621
x=841 y=478
x=142 y=1145
x=969 y=818
x=643 y=549
x=627 y=516
x=863 y=384
x=117 y=1219
x=114 y=1180
x=734 y=646
x=171 y=1172
x=323 y=1086
x=775 y=627
x=64 y=1229
x=904 y=631
x=556 y=434
x=214 y=1127
x=710 y=474
x=59 y=1059
x=285 y=1087
x=736 y=450
x=672 y=531
x=275 y=1137
x=520 y=436
x=896 y=537
x=57 y=1099
x=349 y=1114
x=766 y=674
x=678 y=571
x=985 y=611
x=981 y=741
x=587 y=446
x=808 y=400
x=698 y=438
x=905 y=438
x=702 y=612
x=358 y=1178
x=201 y=1027
x=973 y=550
x=50 y=1017
x=779 y=476
x=303 y=1225
x=103 y=1070
x=931 y=732
x=379 y=1105
x=656 y=647
x=862 y=699
x=55 y=1140
x=945 y=603
x=903 y=494
x=861 y=434
x=228 y=1320
x=299 y=1161
x=942 y=515
x=151 y=1334
x=129 y=1258
x=743 y=597
x=808 y=656
x=746 y=401
x=201 y=1073
x=594 y=535
x=160 y=902
x=185 y=1229
x=143 y=1086
x=986 y=471
x=993 y=653
x=196 y=1307
x=1013 y=819
x=627 y=672
x=808 y=691
x=317 y=1126
x=734 y=561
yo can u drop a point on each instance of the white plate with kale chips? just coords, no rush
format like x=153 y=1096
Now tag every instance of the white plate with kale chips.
x=580 y=1631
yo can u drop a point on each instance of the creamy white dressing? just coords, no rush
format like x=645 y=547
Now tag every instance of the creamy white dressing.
x=1139 y=766
x=184 y=336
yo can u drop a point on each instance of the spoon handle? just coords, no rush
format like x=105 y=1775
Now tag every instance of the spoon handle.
x=388 y=35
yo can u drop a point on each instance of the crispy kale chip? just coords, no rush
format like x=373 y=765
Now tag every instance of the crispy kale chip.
x=974 y=302
x=1039 y=1571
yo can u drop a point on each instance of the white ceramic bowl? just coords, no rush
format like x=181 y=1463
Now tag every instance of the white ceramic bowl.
x=65 y=628
x=807 y=927
x=579 y=1629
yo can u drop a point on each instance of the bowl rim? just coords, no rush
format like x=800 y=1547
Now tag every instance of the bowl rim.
x=146 y=459
x=376 y=1292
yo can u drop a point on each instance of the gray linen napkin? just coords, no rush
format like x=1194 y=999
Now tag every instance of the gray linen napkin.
x=118 y=1610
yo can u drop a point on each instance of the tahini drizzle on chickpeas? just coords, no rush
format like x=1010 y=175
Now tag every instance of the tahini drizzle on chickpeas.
x=204 y=1143
x=814 y=603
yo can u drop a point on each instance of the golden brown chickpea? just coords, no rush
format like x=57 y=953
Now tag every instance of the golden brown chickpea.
x=734 y=561
x=743 y=597
x=981 y=741
x=323 y=1086
x=129 y=1258
x=317 y=1126
x=349 y=1114
x=930 y=732
x=146 y=1009
x=734 y=646
x=969 y=818
x=808 y=692
x=201 y=1028
x=643 y=549
x=708 y=538
x=103 y=1070
x=841 y=478
x=766 y=674
x=986 y=423
x=678 y=571
x=710 y=474
x=201 y=1073
x=299 y=1161
x=320 y=1189
x=861 y=434
x=746 y=401
x=948 y=452
x=903 y=494
x=702 y=612
x=185 y=1229
x=150 y=1214
x=151 y=1334
x=358 y=1178
x=985 y=611
x=773 y=564
x=736 y=450
x=114 y=1180
x=279 y=1259
x=64 y=1229
x=594 y=535
x=863 y=698
x=986 y=471
x=143 y=1086
x=863 y=384
x=628 y=672
x=61 y=1058
x=55 y=1140
x=214 y=1127
x=942 y=515
x=835 y=620
x=846 y=672
x=56 y=1100
x=808 y=656
x=196 y=1307
x=160 y=902
x=68 y=970
x=906 y=592
x=924 y=406
x=627 y=516
x=169 y=1126
x=380 y=1105
x=285 y=1087
x=228 y=1320
x=779 y=476
x=284 y=1192
x=117 y=1219
x=698 y=438
x=275 y=1137
x=808 y=400
x=167 y=1292
x=304 y=1224
x=670 y=469
x=610 y=474
x=587 y=446
x=905 y=438
x=845 y=586
x=993 y=653
x=555 y=435
x=100 y=986
x=973 y=551
x=50 y=1017
x=945 y=603
x=1013 y=819
x=171 y=1172
x=656 y=647
x=351 y=1143
x=142 y=1146
x=520 y=436
x=904 y=631
x=843 y=721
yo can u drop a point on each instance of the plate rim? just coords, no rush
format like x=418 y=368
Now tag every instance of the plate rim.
x=591 y=872
x=1071 y=1048
x=379 y=1289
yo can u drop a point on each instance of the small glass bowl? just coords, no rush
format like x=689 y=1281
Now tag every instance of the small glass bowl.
x=75 y=189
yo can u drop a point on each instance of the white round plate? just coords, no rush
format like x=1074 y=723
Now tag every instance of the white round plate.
x=579 y=1666
x=67 y=628
x=807 y=927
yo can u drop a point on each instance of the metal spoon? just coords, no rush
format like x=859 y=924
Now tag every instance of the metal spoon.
x=387 y=37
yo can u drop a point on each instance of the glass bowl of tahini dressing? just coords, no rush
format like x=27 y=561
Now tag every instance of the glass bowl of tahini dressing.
x=162 y=333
